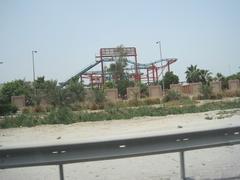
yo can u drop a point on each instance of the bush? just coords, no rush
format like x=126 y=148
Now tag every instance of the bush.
x=26 y=110
x=206 y=91
x=62 y=115
x=151 y=101
x=133 y=102
x=238 y=93
x=38 y=109
x=76 y=107
x=144 y=90
x=109 y=84
x=6 y=109
x=228 y=93
x=216 y=96
x=172 y=96
x=23 y=120
x=99 y=96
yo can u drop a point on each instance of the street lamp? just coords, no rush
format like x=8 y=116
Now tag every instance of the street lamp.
x=33 y=52
x=160 y=53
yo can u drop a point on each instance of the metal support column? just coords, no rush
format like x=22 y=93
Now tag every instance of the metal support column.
x=61 y=172
x=156 y=69
x=153 y=74
x=103 y=76
x=81 y=79
x=168 y=65
x=182 y=166
x=91 y=76
x=137 y=79
x=147 y=76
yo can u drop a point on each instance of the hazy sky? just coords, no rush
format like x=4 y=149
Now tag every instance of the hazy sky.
x=67 y=34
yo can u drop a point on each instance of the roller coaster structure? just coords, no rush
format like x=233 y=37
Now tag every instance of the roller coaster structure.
x=138 y=72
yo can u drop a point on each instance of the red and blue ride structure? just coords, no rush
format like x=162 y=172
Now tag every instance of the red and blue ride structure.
x=139 y=72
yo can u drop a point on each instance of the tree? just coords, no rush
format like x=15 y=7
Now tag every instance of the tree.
x=206 y=91
x=225 y=79
x=39 y=83
x=53 y=92
x=205 y=76
x=16 y=88
x=117 y=69
x=99 y=96
x=123 y=85
x=169 y=78
x=109 y=84
x=193 y=74
x=48 y=90
x=120 y=77
x=143 y=90
x=219 y=77
x=73 y=92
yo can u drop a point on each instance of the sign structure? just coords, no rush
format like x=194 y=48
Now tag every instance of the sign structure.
x=115 y=52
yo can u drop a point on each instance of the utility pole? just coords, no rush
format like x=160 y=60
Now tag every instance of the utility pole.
x=33 y=52
x=160 y=53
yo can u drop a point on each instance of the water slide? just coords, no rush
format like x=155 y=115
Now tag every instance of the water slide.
x=80 y=73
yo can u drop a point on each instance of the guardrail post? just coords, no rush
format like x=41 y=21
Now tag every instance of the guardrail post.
x=61 y=172
x=182 y=166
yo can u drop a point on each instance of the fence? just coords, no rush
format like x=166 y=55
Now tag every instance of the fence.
x=120 y=148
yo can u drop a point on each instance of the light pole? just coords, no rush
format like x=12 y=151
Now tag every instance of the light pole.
x=160 y=53
x=33 y=52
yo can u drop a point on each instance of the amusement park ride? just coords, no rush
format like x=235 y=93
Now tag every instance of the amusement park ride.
x=145 y=73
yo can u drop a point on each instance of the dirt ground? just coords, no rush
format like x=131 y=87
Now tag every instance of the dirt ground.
x=212 y=163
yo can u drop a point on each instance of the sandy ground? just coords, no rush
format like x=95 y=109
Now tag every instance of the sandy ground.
x=215 y=163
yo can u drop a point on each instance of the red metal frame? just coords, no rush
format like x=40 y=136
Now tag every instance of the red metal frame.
x=153 y=70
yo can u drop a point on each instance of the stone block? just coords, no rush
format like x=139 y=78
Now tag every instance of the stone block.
x=111 y=94
x=176 y=87
x=186 y=89
x=196 y=89
x=216 y=87
x=155 y=91
x=133 y=92
x=18 y=101
x=233 y=85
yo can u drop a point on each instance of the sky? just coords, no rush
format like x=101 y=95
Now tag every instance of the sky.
x=68 y=34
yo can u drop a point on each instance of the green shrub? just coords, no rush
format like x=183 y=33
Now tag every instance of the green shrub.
x=76 y=107
x=99 y=96
x=216 y=96
x=133 y=102
x=62 y=115
x=171 y=96
x=238 y=93
x=93 y=106
x=26 y=110
x=6 y=109
x=206 y=91
x=151 y=101
x=228 y=93
x=38 y=109
x=144 y=90
x=23 y=120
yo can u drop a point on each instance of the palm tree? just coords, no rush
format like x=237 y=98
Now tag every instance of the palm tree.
x=205 y=76
x=193 y=74
x=219 y=77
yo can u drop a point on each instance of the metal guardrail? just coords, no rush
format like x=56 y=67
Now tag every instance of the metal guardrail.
x=122 y=148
